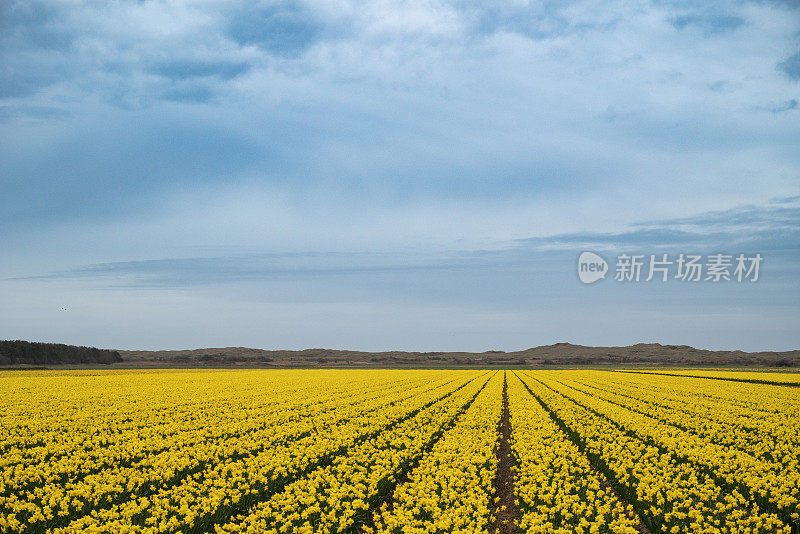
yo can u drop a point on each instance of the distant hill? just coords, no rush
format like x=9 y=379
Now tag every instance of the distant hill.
x=26 y=353
x=559 y=354
x=655 y=353
x=15 y=353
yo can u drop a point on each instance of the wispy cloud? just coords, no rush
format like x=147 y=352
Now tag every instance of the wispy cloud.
x=791 y=66
x=788 y=105
x=285 y=28
x=192 y=68
x=538 y=20
x=189 y=272
x=779 y=213
x=708 y=22
x=765 y=228
x=772 y=226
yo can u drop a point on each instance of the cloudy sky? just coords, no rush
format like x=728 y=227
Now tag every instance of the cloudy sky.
x=407 y=174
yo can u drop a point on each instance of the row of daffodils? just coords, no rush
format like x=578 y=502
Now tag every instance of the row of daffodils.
x=398 y=451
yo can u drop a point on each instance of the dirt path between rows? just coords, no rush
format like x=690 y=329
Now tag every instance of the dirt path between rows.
x=504 y=508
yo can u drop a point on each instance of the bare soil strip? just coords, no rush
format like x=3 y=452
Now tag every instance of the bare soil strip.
x=598 y=468
x=504 y=507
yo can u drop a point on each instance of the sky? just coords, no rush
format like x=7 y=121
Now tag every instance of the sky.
x=416 y=175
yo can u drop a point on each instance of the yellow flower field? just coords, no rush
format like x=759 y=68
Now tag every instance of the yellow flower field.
x=399 y=451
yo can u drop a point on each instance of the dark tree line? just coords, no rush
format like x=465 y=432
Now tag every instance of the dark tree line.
x=24 y=352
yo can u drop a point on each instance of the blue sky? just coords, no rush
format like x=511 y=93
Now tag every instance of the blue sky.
x=408 y=175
